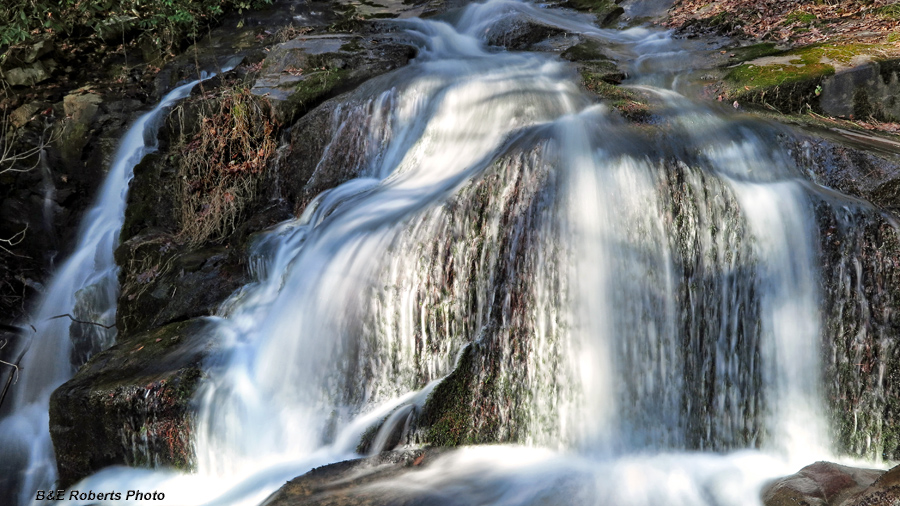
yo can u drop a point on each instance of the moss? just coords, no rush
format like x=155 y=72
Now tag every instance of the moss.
x=804 y=64
x=589 y=50
x=317 y=86
x=368 y=437
x=754 y=51
x=799 y=17
x=348 y=19
x=447 y=414
x=627 y=102
x=352 y=46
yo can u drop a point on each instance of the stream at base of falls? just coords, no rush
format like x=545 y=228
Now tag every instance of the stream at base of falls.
x=648 y=294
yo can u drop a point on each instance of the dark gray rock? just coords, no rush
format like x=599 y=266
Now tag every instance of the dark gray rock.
x=871 y=89
x=300 y=74
x=130 y=405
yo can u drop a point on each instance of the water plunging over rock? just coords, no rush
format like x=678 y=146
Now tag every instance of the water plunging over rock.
x=473 y=250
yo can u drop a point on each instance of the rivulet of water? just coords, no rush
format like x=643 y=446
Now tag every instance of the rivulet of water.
x=84 y=288
x=640 y=303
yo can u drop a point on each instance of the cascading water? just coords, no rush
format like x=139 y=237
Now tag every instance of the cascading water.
x=621 y=296
x=85 y=288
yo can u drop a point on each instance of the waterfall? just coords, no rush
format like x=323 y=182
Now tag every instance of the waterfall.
x=636 y=305
x=84 y=288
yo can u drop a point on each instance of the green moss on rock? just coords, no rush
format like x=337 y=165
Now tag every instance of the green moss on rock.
x=754 y=51
x=589 y=50
x=630 y=104
x=447 y=415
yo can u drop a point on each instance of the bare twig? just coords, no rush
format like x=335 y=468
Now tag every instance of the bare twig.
x=13 y=241
x=9 y=157
x=67 y=315
x=14 y=366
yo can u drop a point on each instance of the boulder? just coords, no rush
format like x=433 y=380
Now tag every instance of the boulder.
x=871 y=89
x=130 y=405
x=30 y=52
x=30 y=75
x=116 y=27
x=819 y=484
x=518 y=31
x=884 y=492
x=81 y=106
x=163 y=281
x=361 y=482
x=302 y=73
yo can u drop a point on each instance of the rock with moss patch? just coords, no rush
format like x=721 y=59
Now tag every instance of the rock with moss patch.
x=519 y=31
x=130 y=405
x=837 y=79
x=870 y=90
x=362 y=482
x=300 y=74
x=163 y=281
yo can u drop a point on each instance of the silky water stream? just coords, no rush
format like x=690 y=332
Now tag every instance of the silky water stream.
x=647 y=294
x=84 y=288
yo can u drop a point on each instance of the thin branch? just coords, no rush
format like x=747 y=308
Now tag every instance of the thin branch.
x=67 y=315
x=8 y=155
x=13 y=241
x=14 y=366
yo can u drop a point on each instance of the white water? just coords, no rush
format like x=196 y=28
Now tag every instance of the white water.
x=87 y=280
x=350 y=317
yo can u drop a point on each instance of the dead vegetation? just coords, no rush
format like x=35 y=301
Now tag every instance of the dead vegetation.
x=220 y=166
x=796 y=21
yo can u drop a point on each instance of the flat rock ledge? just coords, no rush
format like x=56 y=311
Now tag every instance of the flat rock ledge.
x=829 y=484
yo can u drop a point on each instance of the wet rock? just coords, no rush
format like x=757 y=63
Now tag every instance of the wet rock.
x=519 y=31
x=130 y=405
x=607 y=11
x=94 y=330
x=819 y=484
x=313 y=162
x=859 y=254
x=361 y=482
x=163 y=281
x=852 y=164
x=300 y=74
